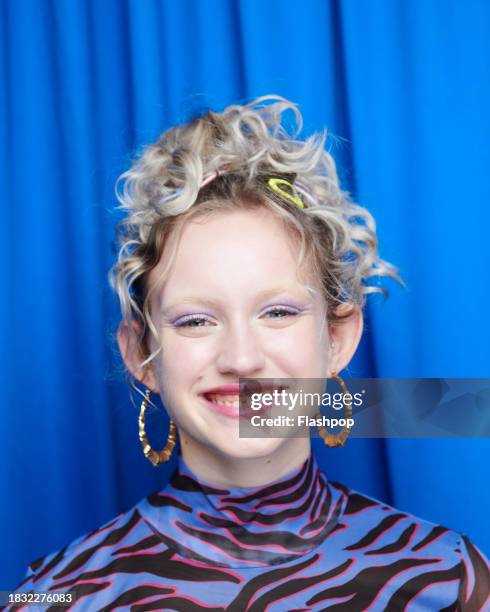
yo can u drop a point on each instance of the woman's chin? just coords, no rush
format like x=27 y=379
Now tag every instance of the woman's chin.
x=249 y=448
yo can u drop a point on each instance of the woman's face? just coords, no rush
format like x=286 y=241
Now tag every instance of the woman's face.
x=233 y=305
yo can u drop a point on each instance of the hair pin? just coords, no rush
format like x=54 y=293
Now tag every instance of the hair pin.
x=277 y=184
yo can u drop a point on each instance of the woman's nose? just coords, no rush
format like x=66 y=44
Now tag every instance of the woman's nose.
x=240 y=351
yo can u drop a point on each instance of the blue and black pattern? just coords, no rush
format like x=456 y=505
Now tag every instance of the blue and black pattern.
x=300 y=543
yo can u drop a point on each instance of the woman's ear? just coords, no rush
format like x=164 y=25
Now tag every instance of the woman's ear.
x=129 y=342
x=345 y=336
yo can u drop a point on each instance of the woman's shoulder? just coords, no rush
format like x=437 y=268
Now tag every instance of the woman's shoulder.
x=98 y=553
x=376 y=518
x=377 y=528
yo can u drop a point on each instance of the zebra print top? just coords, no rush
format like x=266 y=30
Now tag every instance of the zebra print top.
x=300 y=543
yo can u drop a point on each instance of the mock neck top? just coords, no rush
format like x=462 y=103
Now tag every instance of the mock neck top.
x=301 y=542
x=245 y=527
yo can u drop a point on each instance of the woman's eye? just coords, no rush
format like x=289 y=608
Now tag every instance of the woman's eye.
x=281 y=313
x=194 y=321
x=191 y=321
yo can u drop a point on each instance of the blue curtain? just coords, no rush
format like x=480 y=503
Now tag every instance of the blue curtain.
x=403 y=86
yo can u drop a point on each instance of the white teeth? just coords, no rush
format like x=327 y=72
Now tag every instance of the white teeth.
x=234 y=404
x=224 y=400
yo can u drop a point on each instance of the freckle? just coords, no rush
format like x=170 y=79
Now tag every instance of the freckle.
x=268 y=461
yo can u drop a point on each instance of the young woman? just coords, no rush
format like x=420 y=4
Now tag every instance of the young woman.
x=240 y=257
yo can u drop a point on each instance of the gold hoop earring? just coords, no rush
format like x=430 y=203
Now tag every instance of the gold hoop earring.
x=339 y=439
x=156 y=457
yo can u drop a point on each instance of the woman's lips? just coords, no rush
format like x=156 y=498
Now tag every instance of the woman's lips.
x=227 y=405
x=225 y=399
x=231 y=410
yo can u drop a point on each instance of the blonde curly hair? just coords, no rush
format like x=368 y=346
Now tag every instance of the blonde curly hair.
x=221 y=162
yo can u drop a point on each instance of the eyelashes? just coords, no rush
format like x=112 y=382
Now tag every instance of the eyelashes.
x=191 y=321
x=200 y=320
x=281 y=312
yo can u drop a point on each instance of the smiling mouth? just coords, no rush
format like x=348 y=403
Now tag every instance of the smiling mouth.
x=223 y=400
x=226 y=405
x=230 y=405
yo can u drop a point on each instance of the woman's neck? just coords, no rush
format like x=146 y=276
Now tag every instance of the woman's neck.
x=243 y=472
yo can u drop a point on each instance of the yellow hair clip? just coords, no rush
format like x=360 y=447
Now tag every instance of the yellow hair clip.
x=275 y=184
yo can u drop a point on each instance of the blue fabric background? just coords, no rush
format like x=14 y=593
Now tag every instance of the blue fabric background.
x=403 y=85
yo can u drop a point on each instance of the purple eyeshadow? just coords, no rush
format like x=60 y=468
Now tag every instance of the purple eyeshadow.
x=189 y=317
x=293 y=307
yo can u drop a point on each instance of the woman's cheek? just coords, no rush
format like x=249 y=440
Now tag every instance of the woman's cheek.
x=187 y=353
x=298 y=336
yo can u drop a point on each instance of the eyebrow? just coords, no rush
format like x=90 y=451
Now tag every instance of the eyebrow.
x=262 y=295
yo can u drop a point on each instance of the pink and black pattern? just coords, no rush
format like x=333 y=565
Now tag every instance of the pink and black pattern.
x=301 y=543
